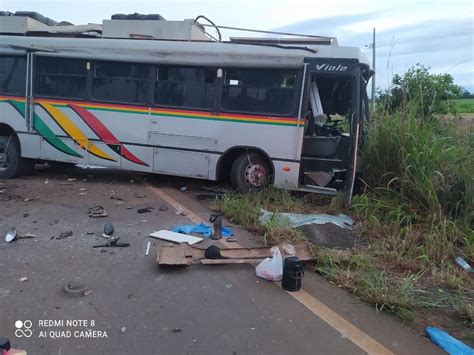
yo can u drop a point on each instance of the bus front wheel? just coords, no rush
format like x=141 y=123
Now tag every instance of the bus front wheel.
x=250 y=172
x=10 y=158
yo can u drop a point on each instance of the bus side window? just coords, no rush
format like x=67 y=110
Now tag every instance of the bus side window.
x=120 y=82
x=185 y=86
x=60 y=77
x=13 y=75
x=269 y=91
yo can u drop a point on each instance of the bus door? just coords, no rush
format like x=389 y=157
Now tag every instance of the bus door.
x=331 y=132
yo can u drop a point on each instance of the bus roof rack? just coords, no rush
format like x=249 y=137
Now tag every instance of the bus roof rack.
x=315 y=41
x=149 y=27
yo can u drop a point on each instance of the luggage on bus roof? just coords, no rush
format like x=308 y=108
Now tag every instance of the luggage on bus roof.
x=36 y=16
x=137 y=16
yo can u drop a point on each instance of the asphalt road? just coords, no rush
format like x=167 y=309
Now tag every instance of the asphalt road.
x=136 y=307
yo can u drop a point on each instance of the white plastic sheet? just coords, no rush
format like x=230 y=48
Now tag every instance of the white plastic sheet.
x=295 y=220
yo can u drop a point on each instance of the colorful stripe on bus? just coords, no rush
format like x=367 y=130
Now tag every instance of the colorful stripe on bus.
x=83 y=110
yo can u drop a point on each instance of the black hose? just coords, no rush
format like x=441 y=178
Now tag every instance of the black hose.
x=212 y=23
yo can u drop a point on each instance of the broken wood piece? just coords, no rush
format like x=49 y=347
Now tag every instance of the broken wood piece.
x=229 y=261
x=185 y=254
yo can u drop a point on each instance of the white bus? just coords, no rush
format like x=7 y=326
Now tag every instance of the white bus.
x=257 y=111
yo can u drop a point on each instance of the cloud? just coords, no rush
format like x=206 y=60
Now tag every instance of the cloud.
x=444 y=44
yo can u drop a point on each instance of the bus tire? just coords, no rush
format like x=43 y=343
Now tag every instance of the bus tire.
x=10 y=158
x=250 y=172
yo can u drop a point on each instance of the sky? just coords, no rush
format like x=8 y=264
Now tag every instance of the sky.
x=436 y=33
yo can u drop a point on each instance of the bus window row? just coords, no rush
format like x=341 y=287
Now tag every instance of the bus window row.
x=265 y=91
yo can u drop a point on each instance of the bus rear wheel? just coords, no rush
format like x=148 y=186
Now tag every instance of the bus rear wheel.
x=10 y=158
x=250 y=172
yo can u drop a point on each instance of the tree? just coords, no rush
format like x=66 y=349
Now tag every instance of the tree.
x=420 y=92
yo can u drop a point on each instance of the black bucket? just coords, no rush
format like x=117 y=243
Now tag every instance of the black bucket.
x=292 y=274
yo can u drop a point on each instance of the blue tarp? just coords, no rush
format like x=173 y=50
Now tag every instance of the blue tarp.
x=448 y=343
x=201 y=229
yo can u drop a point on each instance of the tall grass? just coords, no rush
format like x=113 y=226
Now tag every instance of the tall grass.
x=425 y=167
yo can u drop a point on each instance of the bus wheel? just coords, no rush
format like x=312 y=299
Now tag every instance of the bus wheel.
x=250 y=172
x=10 y=159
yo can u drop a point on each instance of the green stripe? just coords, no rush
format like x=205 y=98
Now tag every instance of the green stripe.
x=45 y=131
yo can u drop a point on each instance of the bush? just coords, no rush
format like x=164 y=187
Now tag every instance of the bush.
x=420 y=93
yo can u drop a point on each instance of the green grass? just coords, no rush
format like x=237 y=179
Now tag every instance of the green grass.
x=463 y=105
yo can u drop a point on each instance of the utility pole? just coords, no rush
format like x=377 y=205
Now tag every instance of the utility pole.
x=373 y=76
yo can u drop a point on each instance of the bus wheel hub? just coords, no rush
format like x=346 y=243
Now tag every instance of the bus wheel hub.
x=4 y=160
x=256 y=175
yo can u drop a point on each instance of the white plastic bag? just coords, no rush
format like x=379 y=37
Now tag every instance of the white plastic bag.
x=271 y=268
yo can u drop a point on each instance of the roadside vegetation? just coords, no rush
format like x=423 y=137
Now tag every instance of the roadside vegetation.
x=415 y=215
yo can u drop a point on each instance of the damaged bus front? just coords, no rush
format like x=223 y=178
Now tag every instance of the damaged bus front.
x=335 y=109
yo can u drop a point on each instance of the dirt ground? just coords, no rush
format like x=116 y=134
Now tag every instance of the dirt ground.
x=145 y=309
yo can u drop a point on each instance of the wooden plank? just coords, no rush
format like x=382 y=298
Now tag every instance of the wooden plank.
x=229 y=261
x=185 y=254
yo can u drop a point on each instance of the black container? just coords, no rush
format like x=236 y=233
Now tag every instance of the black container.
x=216 y=225
x=292 y=274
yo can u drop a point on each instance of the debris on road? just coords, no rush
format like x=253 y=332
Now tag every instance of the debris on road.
x=71 y=179
x=112 y=243
x=216 y=225
x=179 y=212
x=175 y=237
x=464 y=264
x=65 y=234
x=184 y=189
x=228 y=286
x=293 y=273
x=214 y=252
x=185 y=254
x=23 y=279
x=76 y=289
x=201 y=229
x=271 y=268
x=163 y=207
x=97 y=212
x=109 y=229
x=295 y=220
x=176 y=330
x=147 y=248
x=123 y=329
x=11 y=236
x=447 y=342
x=144 y=210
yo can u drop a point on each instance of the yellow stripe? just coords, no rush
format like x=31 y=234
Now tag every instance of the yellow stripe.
x=74 y=132
x=350 y=331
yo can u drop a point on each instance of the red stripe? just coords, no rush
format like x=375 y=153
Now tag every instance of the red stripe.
x=104 y=133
